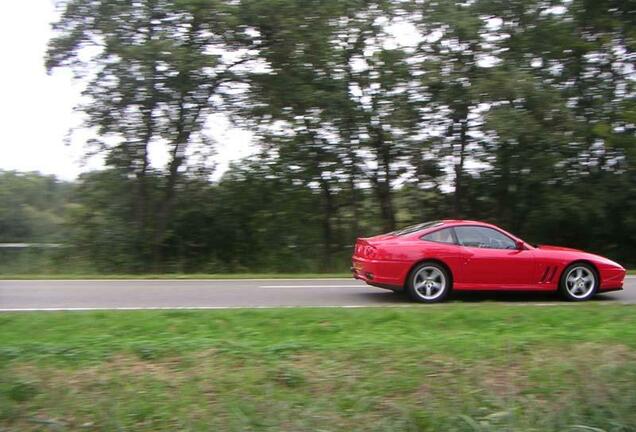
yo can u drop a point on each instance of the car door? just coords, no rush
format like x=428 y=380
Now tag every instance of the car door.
x=491 y=259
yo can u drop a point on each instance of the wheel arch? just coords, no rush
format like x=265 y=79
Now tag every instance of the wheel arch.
x=433 y=260
x=581 y=261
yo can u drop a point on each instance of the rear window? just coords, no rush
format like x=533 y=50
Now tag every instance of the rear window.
x=416 y=228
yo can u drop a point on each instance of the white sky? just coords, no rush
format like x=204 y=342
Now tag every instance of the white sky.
x=36 y=109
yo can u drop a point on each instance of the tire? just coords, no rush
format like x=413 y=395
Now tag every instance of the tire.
x=429 y=282
x=579 y=282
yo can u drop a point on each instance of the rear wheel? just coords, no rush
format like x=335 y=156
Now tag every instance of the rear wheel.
x=429 y=282
x=578 y=282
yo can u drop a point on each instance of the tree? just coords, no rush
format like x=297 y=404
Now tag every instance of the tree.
x=152 y=70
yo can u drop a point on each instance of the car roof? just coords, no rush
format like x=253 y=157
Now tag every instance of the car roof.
x=460 y=222
x=464 y=222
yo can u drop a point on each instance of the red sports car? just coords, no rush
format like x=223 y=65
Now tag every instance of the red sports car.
x=429 y=259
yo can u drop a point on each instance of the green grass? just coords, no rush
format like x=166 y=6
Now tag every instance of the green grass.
x=449 y=367
x=72 y=276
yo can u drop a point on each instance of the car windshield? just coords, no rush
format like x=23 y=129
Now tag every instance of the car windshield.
x=415 y=228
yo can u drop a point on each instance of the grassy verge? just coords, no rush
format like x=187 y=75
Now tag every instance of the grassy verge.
x=184 y=276
x=451 y=367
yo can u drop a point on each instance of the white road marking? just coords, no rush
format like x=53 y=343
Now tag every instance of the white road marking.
x=175 y=280
x=313 y=286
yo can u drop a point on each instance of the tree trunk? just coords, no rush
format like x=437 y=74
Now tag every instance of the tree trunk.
x=327 y=229
x=383 y=192
x=349 y=125
x=167 y=205
x=141 y=153
x=459 y=169
x=184 y=129
x=382 y=183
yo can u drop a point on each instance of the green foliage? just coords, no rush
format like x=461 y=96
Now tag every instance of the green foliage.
x=32 y=207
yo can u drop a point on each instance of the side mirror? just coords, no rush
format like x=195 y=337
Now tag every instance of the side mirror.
x=520 y=245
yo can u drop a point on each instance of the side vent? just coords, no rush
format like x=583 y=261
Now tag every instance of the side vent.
x=552 y=274
x=548 y=274
x=545 y=274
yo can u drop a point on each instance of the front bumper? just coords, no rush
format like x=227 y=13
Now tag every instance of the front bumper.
x=612 y=278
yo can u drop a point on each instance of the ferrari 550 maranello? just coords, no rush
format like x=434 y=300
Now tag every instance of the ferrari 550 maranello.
x=429 y=260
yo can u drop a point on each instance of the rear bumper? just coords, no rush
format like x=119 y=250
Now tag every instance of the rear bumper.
x=383 y=274
x=369 y=281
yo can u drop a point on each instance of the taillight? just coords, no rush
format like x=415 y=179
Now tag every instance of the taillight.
x=365 y=250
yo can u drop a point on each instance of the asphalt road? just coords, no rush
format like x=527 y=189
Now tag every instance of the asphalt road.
x=27 y=295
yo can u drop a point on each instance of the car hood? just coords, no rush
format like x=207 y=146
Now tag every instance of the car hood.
x=581 y=254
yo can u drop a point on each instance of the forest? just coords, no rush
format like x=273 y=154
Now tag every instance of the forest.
x=366 y=116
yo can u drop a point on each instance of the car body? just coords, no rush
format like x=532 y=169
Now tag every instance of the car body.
x=475 y=256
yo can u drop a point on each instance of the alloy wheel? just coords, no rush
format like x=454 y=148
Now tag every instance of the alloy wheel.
x=429 y=283
x=580 y=282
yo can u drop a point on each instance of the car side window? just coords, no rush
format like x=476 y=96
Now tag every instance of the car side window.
x=445 y=235
x=482 y=237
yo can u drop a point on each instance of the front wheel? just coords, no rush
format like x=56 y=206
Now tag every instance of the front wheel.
x=429 y=282
x=578 y=282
